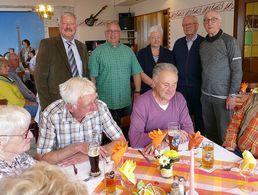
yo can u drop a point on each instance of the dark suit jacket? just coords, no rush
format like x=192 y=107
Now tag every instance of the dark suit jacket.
x=52 y=68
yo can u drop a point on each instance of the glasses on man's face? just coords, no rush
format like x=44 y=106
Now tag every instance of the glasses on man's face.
x=212 y=20
x=113 y=31
x=24 y=135
x=188 y=24
x=168 y=85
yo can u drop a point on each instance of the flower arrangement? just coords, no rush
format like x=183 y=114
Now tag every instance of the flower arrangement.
x=167 y=158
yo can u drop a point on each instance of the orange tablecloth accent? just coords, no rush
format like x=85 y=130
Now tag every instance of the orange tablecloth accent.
x=217 y=182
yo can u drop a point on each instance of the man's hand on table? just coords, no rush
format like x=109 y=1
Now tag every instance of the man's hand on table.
x=149 y=149
x=75 y=159
x=183 y=136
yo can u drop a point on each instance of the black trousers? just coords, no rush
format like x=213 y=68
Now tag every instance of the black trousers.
x=192 y=96
x=117 y=115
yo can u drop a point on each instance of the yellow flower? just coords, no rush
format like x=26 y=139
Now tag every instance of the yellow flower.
x=171 y=154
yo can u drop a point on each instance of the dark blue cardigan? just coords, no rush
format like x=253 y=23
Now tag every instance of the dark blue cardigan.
x=188 y=63
x=147 y=62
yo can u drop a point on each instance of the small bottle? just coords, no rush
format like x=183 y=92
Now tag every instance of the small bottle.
x=181 y=185
x=174 y=189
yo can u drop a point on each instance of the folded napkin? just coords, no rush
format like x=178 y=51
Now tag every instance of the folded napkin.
x=195 y=140
x=127 y=171
x=243 y=87
x=157 y=137
x=249 y=161
x=118 y=151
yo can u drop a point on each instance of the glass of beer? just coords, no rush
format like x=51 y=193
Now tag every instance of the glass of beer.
x=110 y=178
x=207 y=154
x=173 y=135
x=93 y=153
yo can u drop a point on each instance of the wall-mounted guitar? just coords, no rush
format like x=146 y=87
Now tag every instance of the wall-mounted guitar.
x=92 y=19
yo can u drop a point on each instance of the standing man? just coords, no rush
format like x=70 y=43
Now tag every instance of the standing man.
x=58 y=59
x=111 y=66
x=221 y=77
x=188 y=63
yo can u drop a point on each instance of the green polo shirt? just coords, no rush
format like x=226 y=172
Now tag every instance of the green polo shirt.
x=113 y=67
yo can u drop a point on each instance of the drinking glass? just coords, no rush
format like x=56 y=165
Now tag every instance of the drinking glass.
x=110 y=177
x=173 y=135
x=246 y=173
x=93 y=153
x=207 y=154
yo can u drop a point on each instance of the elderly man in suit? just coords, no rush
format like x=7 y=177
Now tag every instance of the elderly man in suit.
x=59 y=58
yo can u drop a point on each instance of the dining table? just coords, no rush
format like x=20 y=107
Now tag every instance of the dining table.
x=224 y=178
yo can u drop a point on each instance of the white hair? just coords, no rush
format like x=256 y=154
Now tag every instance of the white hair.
x=67 y=14
x=155 y=28
x=13 y=118
x=76 y=87
x=164 y=66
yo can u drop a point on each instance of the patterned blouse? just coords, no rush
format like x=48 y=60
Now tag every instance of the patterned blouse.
x=20 y=164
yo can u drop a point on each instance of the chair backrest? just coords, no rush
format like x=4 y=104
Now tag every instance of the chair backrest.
x=3 y=101
x=251 y=86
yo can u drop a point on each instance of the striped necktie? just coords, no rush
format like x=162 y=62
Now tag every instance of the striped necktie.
x=71 y=60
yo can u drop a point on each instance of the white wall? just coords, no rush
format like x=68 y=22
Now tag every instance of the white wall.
x=176 y=30
x=84 y=8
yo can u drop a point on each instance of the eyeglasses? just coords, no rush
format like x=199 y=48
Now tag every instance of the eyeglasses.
x=212 y=20
x=168 y=85
x=113 y=31
x=188 y=24
x=24 y=135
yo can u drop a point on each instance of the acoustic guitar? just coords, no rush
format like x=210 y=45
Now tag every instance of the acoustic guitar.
x=92 y=19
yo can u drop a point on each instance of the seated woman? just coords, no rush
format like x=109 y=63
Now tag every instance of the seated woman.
x=11 y=92
x=42 y=178
x=15 y=138
x=157 y=107
x=242 y=131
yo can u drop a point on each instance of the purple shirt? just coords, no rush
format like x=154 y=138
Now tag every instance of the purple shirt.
x=147 y=115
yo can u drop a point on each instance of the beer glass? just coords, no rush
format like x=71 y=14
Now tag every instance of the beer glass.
x=93 y=153
x=173 y=135
x=110 y=178
x=207 y=154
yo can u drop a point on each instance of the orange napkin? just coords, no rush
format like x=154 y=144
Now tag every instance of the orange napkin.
x=243 y=87
x=195 y=140
x=157 y=137
x=118 y=151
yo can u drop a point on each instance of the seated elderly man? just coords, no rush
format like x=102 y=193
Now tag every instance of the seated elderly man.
x=157 y=107
x=11 y=92
x=67 y=124
x=14 y=63
x=242 y=131
x=15 y=138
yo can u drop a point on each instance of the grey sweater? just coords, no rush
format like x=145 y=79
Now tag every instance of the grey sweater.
x=221 y=65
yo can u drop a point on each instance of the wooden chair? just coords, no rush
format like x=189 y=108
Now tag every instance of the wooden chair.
x=33 y=124
x=3 y=102
x=251 y=86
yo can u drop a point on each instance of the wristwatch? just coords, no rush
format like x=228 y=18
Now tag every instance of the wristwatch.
x=233 y=95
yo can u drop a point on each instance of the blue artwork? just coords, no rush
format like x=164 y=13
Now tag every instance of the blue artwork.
x=29 y=25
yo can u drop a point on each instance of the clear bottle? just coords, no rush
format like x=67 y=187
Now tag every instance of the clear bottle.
x=174 y=189
x=181 y=185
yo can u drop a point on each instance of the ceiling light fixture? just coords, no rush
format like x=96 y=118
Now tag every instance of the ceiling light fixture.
x=45 y=11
